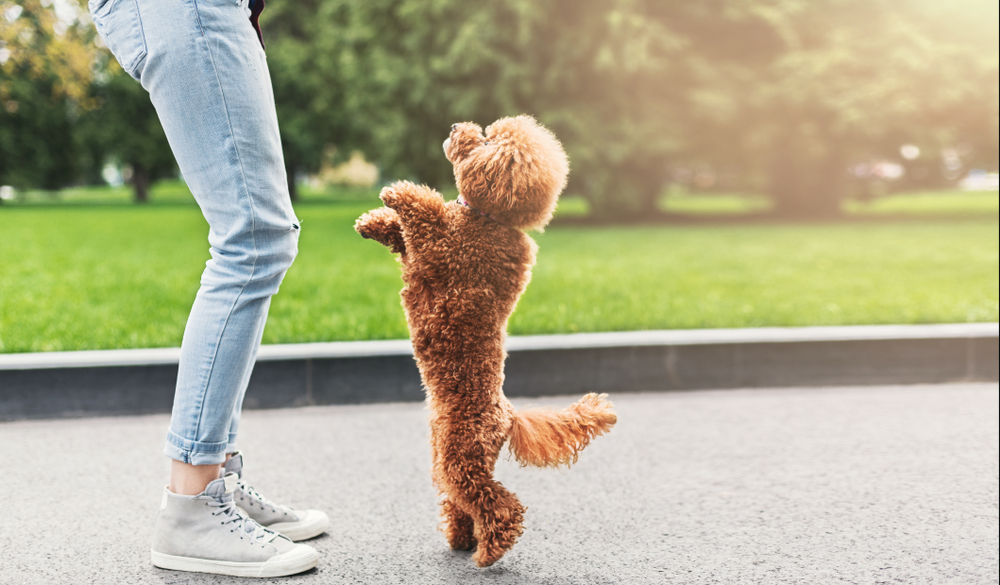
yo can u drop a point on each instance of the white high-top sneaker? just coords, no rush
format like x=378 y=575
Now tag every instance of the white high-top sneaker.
x=207 y=533
x=293 y=524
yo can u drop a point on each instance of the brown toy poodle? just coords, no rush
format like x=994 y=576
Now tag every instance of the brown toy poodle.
x=465 y=263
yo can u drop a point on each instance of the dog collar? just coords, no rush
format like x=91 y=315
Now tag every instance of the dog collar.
x=482 y=213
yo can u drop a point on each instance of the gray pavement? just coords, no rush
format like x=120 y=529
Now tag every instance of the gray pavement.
x=888 y=484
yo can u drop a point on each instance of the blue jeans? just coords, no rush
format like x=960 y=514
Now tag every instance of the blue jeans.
x=206 y=74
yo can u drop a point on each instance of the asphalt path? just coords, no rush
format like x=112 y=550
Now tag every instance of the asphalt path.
x=804 y=485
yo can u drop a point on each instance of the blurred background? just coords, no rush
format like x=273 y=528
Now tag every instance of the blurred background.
x=752 y=112
x=797 y=106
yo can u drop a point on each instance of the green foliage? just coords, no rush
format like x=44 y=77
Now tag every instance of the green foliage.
x=54 y=47
x=780 y=96
x=118 y=276
x=36 y=146
x=309 y=89
x=782 y=93
x=44 y=72
x=413 y=68
x=850 y=80
x=67 y=106
x=124 y=127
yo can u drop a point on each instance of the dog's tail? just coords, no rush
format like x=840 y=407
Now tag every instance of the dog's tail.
x=547 y=438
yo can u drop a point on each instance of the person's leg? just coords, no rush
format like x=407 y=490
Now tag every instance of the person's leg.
x=206 y=74
x=191 y=480
x=204 y=69
x=234 y=418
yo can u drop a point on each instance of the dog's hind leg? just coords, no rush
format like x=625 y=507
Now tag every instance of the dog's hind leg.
x=466 y=444
x=456 y=523
x=497 y=513
x=458 y=526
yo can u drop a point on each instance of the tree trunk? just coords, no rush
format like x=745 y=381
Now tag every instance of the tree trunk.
x=140 y=183
x=806 y=187
x=786 y=179
x=831 y=183
x=293 y=190
x=628 y=193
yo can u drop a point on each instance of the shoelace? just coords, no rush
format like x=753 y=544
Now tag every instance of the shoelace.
x=246 y=526
x=253 y=494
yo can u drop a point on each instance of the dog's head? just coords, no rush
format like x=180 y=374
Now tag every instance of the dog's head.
x=514 y=173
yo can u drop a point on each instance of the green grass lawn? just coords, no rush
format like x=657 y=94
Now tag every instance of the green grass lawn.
x=171 y=192
x=679 y=201
x=932 y=204
x=929 y=204
x=121 y=276
x=936 y=203
x=175 y=192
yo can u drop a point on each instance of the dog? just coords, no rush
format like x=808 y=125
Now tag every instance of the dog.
x=465 y=263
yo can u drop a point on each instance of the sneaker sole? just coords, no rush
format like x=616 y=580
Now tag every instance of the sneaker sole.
x=314 y=525
x=288 y=563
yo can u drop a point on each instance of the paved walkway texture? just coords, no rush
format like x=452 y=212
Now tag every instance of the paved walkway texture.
x=802 y=485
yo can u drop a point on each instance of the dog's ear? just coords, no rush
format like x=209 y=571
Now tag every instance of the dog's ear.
x=516 y=175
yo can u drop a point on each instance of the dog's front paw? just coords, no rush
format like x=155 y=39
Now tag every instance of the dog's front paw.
x=363 y=226
x=409 y=195
x=381 y=225
x=390 y=196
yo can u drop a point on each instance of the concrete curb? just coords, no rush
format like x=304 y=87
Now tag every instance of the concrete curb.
x=90 y=383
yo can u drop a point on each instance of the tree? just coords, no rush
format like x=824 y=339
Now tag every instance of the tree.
x=45 y=63
x=124 y=127
x=845 y=81
x=785 y=94
x=67 y=105
x=789 y=93
x=608 y=76
x=36 y=146
x=413 y=68
x=309 y=88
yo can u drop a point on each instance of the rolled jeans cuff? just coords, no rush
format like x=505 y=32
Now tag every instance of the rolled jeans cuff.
x=195 y=452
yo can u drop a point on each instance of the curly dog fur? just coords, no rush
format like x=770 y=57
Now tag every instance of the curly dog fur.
x=465 y=264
